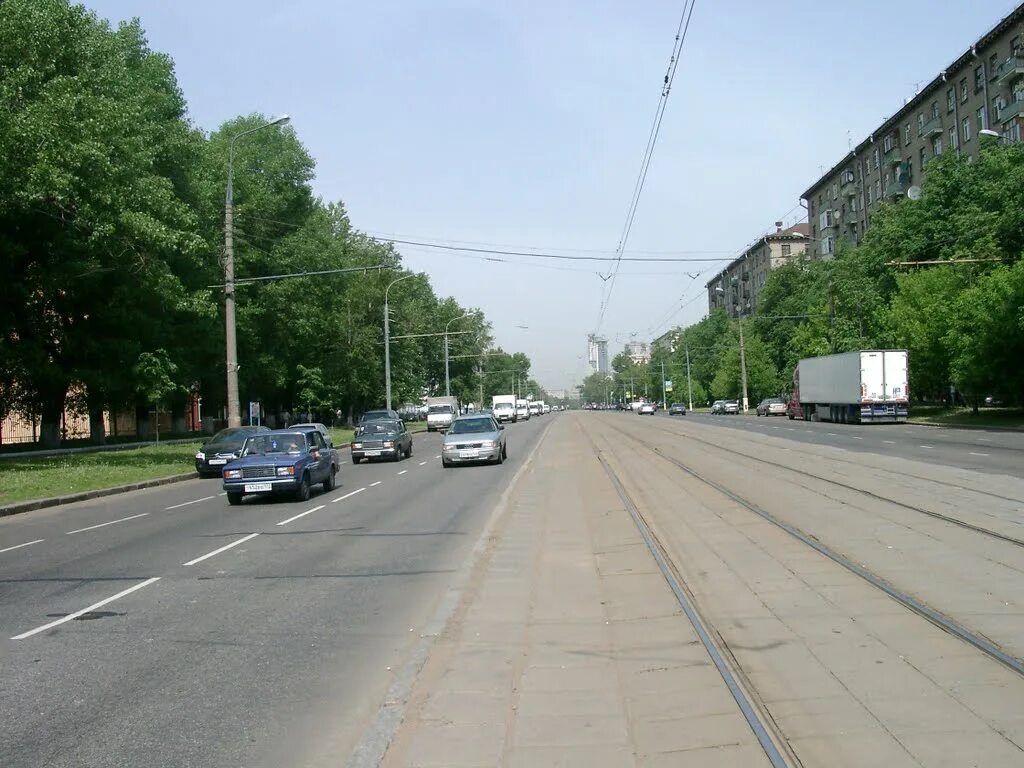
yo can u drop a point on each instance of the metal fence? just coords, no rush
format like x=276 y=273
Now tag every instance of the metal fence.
x=19 y=428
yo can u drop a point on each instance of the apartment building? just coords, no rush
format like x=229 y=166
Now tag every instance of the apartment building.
x=597 y=354
x=638 y=351
x=736 y=288
x=982 y=90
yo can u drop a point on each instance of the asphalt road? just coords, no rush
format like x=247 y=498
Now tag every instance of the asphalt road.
x=243 y=636
x=990 y=451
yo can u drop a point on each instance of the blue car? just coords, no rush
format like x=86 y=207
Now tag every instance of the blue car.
x=283 y=461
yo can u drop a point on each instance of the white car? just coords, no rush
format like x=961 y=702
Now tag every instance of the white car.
x=646 y=408
x=321 y=428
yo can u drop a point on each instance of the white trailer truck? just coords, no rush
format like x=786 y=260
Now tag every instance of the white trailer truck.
x=863 y=386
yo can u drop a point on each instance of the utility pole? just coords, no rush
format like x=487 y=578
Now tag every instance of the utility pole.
x=689 y=384
x=743 y=366
x=447 y=375
x=664 y=394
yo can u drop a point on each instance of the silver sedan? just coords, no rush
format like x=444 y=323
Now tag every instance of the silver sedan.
x=472 y=438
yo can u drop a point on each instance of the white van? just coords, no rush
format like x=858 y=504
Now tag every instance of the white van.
x=503 y=408
x=523 y=410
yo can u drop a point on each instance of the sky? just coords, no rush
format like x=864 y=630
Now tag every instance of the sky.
x=522 y=126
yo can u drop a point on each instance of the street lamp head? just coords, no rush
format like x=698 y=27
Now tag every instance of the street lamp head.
x=281 y=120
x=989 y=133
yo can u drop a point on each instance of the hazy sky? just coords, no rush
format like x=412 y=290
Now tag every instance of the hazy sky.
x=523 y=124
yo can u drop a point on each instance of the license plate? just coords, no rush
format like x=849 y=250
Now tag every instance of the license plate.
x=258 y=487
x=467 y=454
x=371 y=453
x=214 y=462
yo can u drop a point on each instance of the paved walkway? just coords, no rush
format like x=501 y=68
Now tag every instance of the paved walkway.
x=571 y=649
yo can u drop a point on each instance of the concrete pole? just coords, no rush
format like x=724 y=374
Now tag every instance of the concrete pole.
x=387 y=354
x=230 y=340
x=743 y=366
x=664 y=394
x=689 y=383
x=447 y=375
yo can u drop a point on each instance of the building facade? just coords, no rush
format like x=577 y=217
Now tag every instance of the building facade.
x=597 y=354
x=638 y=351
x=737 y=287
x=982 y=90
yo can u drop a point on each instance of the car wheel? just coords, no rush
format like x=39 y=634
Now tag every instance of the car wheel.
x=408 y=451
x=234 y=498
x=446 y=464
x=504 y=451
x=355 y=460
x=303 y=491
x=331 y=480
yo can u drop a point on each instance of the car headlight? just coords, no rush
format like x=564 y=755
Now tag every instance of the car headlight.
x=285 y=471
x=389 y=444
x=232 y=474
x=486 y=443
x=357 y=446
x=201 y=456
x=448 y=447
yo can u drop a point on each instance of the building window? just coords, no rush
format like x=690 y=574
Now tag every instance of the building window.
x=982 y=118
x=967 y=129
x=825 y=219
x=828 y=246
x=871 y=196
x=906 y=134
x=979 y=77
x=886 y=180
x=992 y=62
x=1015 y=46
x=835 y=190
x=937 y=146
x=1013 y=132
x=878 y=188
x=953 y=138
x=875 y=158
x=950 y=99
x=963 y=91
x=786 y=249
x=920 y=122
x=923 y=157
x=935 y=109
x=887 y=143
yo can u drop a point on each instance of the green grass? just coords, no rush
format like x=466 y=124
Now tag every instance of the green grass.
x=37 y=478
x=986 y=417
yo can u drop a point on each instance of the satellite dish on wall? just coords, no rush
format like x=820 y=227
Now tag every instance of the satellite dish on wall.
x=914 y=193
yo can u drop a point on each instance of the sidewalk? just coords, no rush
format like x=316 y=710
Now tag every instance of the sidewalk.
x=569 y=649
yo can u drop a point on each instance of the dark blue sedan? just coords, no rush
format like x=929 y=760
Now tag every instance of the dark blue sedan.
x=284 y=461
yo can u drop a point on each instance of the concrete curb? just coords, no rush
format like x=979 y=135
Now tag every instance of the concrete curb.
x=33 y=504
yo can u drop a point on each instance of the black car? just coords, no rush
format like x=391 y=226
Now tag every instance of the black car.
x=223 y=447
x=381 y=440
x=385 y=414
x=677 y=409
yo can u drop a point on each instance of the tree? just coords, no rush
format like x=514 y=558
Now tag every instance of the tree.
x=155 y=380
x=762 y=376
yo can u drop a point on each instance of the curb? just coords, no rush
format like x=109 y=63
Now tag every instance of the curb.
x=28 y=506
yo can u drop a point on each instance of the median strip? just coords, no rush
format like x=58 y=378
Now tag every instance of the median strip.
x=93 y=607
x=104 y=525
x=301 y=514
x=222 y=549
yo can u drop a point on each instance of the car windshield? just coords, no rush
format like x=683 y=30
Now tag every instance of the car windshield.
x=502 y=406
x=231 y=434
x=774 y=401
x=440 y=409
x=259 y=445
x=469 y=426
x=378 y=428
x=373 y=415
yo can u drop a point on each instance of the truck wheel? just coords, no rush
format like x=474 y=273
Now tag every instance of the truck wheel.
x=329 y=483
x=302 y=492
x=234 y=498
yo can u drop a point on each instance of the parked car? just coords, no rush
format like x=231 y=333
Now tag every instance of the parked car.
x=646 y=408
x=718 y=406
x=771 y=406
x=381 y=439
x=321 y=428
x=730 y=407
x=677 y=409
x=381 y=413
x=223 y=447
x=281 y=461
x=474 y=437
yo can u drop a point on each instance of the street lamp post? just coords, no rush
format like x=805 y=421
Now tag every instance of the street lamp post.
x=387 y=340
x=231 y=344
x=743 y=356
x=447 y=375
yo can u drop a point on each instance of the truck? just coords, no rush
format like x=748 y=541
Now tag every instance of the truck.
x=541 y=408
x=523 y=409
x=441 y=412
x=504 y=408
x=536 y=408
x=863 y=386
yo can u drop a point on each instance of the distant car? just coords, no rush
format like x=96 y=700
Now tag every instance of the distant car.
x=281 y=461
x=730 y=406
x=381 y=439
x=381 y=413
x=321 y=428
x=771 y=406
x=472 y=438
x=222 y=448
x=677 y=409
x=718 y=406
x=646 y=408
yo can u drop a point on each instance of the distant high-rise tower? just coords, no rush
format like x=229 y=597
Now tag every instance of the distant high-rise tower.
x=597 y=354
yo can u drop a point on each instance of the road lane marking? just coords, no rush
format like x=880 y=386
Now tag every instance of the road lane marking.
x=93 y=607
x=984 y=440
x=791 y=429
x=186 y=503
x=808 y=431
x=19 y=546
x=403 y=471
x=223 y=493
x=221 y=549
x=352 y=493
x=422 y=463
x=973 y=453
x=854 y=437
x=102 y=525
x=889 y=442
x=301 y=514
x=776 y=427
x=376 y=483
x=926 y=446
x=832 y=434
x=438 y=456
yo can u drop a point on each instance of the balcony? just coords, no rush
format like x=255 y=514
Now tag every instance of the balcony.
x=1010 y=69
x=930 y=128
x=895 y=189
x=1010 y=111
x=892 y=155
x=847 y=184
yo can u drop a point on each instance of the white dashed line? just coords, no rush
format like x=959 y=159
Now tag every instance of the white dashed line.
x=832 y=434
x=889 y=442
x=372 y=485
x=351 y=493
x=438 y=456
x=776 y=427
x=422 y=463
x=19 y=546
x=103 y=525
x=984 y=440
x=973 y=453
x=93 y=607
x=854 y=437
x=222 y=549
x=301 y=514
x=403 y=471
x=186 y=503
x=791 y=429
x=223 y=493
x=926 y=446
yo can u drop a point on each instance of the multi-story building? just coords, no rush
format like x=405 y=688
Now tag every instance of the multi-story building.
x=737 y=287
x=597 y=354
x=982 y=90
x=638 y=351
x=667 y=341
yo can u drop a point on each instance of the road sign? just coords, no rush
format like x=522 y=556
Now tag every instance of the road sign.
x=668 y=385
